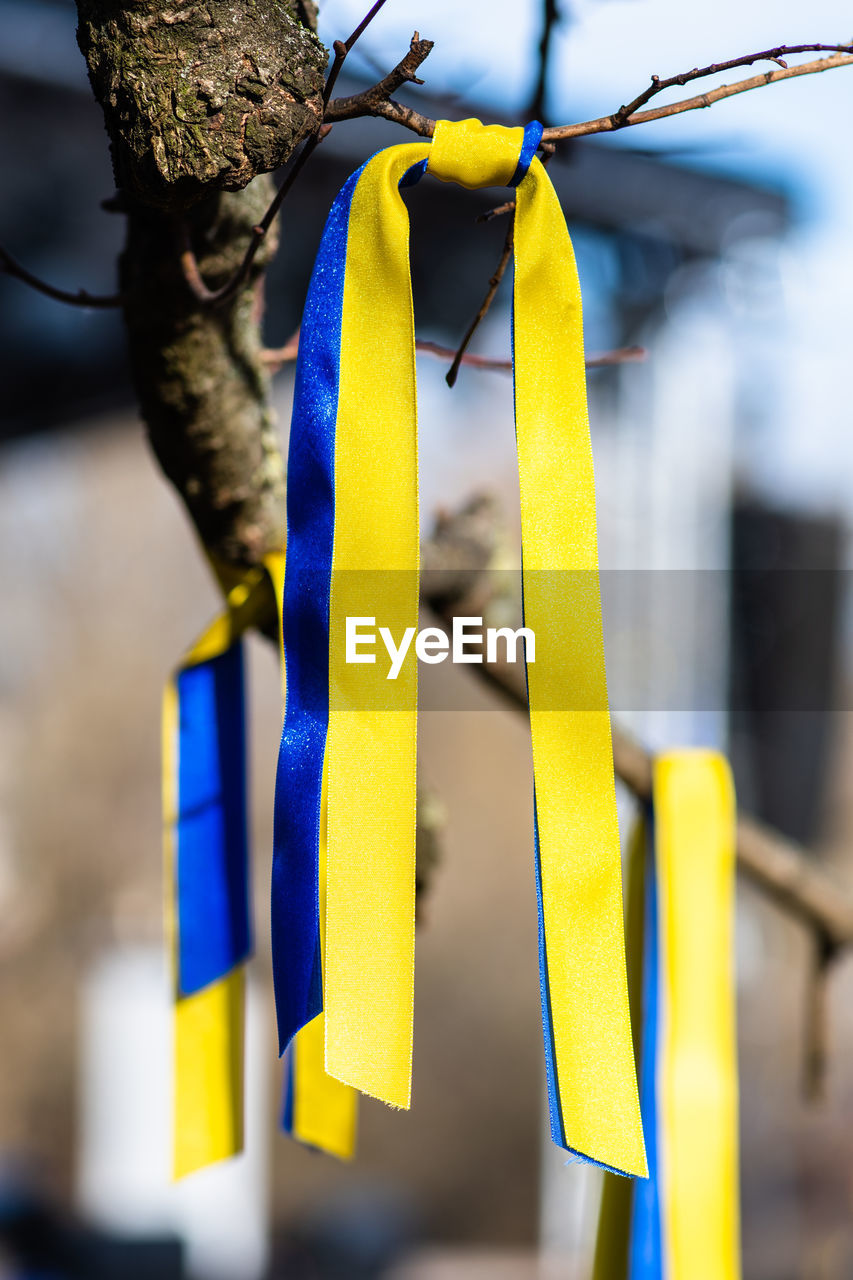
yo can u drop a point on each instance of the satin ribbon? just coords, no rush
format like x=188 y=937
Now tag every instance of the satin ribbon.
x=682 y=1224
x=207 y=884
x=348 y=748
x=208 y=918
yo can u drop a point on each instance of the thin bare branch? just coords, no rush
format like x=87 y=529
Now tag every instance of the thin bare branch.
x=189 y=262
x=342 y=48
x=494 y=285
x=776 y=55
x=396 y=112
x=11 y=267
x=368 y=104
x=275 y=358
x=377 y=101
x=372 y=101
x=507 y=207
x=605 y=124
x=598 y=360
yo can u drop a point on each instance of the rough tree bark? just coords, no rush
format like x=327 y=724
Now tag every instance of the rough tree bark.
x=201 y=101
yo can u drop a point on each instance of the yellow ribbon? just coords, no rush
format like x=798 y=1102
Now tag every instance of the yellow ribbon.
x=695 y=844
x=683 y=1223
x=209 y=1025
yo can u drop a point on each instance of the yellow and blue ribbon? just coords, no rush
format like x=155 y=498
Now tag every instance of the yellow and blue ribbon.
x=207 y=885
x=683 y=1222
x=345 y=790
x=208 y=907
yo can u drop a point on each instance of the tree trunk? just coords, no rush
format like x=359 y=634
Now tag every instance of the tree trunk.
x=200 y=101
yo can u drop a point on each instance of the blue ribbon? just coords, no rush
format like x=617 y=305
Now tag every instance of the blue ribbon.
x=212 y=878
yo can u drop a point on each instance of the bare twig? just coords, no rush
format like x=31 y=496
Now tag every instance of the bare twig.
x=368 y=104
x=598 y=360
x=494 y=285
x=342 y=48
x=275 y=358
x=776 y=55
x=508 y=206
x=785 y=872
x=189 y=263
x=11 y=267
x=372 y=101
x=551 y=17
x=605 y=124
x=377 y=101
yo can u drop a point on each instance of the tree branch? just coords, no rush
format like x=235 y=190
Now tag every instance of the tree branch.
x=11 y=267
x=274 y=358
x=189 y=263
x=455 y=583
x=200 y=102
x=342 y=48
x=494 y=285
x=373 y=101
x=780 y=868
x=776 y=55
x=598 y=360
x=605 y=124
x=816 y=1040
x=368 y=103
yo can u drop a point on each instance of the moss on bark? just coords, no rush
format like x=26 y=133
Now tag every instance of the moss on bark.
x=200 y=97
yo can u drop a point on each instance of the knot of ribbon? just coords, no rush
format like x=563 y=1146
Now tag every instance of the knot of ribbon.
x=482 y=155
x=343 y=886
